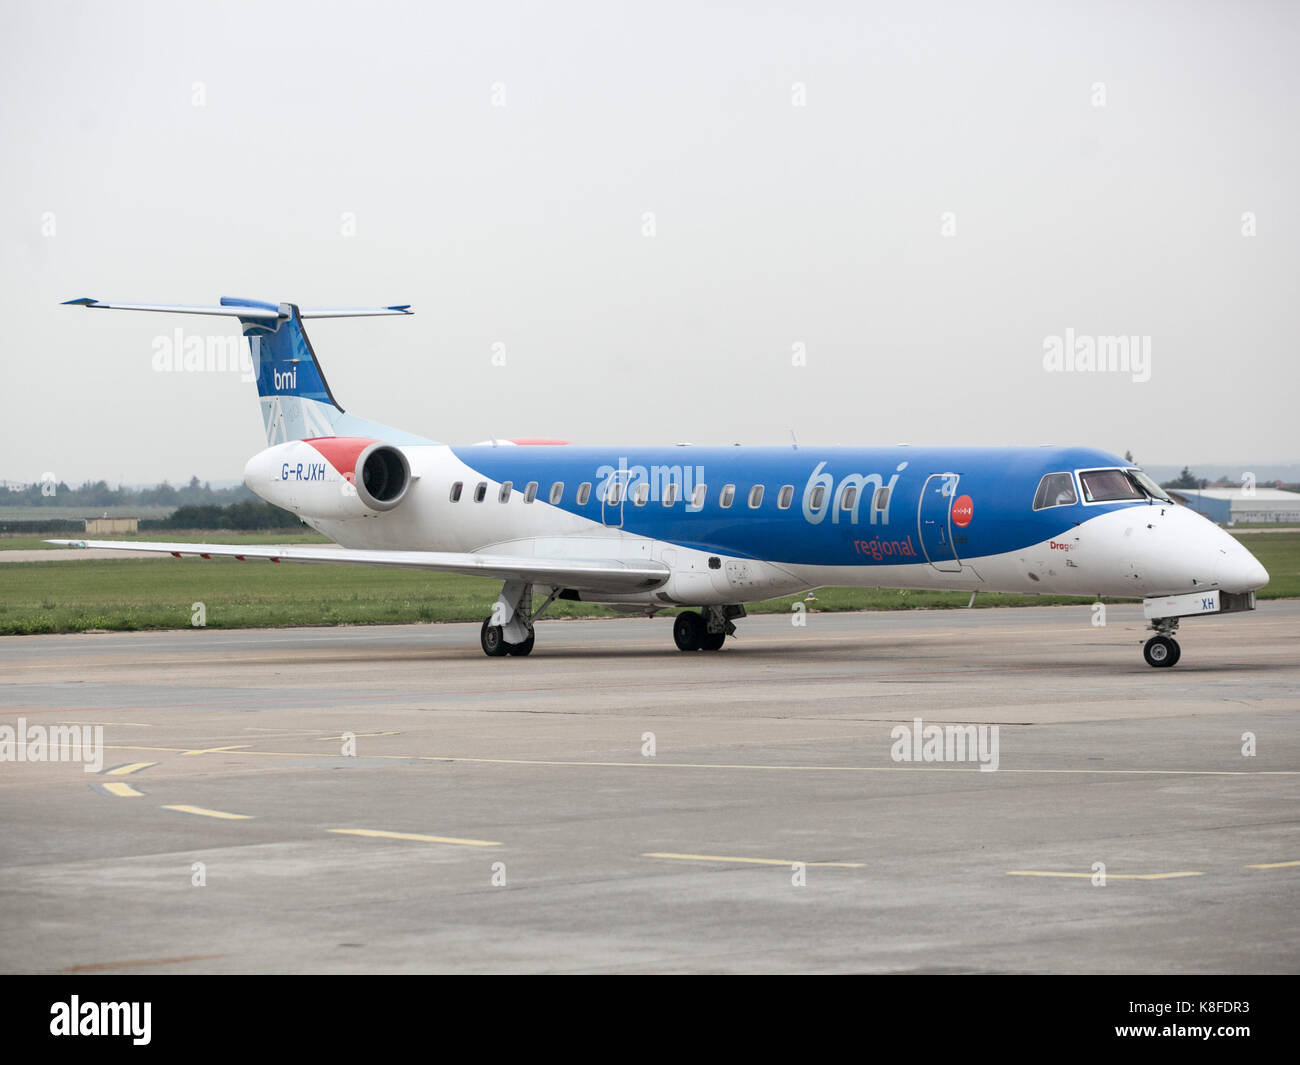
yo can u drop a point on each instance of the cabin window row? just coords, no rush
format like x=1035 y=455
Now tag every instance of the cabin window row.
x=640 y=495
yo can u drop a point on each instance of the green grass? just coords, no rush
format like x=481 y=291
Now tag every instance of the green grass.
x=22 y=512
x=1280 y=555
x=80 y=594
x=160 y=593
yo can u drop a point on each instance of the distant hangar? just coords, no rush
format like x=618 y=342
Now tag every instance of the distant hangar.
x=1241 y=505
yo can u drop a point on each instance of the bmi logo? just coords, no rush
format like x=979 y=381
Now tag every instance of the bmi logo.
x=963 y=509
x=285 y=379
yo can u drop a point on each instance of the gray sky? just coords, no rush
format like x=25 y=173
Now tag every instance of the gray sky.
x=774 y=224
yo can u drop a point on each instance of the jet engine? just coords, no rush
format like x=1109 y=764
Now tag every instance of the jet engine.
x=331 y=477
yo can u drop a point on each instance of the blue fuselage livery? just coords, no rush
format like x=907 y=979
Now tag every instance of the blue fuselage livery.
x=1000 y=480
x=709 y=529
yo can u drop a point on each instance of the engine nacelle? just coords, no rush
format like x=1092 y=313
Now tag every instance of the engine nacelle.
x=331 y=477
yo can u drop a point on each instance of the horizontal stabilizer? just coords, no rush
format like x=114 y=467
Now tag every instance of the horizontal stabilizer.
x=246 y=309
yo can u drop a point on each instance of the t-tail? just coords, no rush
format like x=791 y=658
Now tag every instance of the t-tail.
x=296 y=400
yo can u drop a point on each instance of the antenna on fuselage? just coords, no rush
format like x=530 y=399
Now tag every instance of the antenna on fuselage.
x=794 y=440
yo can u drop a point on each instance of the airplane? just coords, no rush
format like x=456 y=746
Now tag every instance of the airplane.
x=706 y=528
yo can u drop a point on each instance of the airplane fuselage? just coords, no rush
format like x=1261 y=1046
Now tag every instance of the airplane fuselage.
x=738 y=524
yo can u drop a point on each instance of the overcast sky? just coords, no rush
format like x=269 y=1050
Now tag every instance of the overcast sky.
x=921 y=195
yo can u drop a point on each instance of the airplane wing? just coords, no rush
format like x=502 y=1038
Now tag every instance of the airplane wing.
x=605 y=575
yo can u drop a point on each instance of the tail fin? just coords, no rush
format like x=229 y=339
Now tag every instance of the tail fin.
x=296 y=401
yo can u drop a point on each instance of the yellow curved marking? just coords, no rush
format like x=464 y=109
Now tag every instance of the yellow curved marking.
x=134 y=767
x=210 y=813
x=411 y=835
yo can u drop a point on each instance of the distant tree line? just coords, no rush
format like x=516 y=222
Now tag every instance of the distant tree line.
x=99 y=494
x=244 y=516
x=1186 y=479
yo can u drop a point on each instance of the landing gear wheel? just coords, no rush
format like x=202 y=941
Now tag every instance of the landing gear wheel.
x=1161 y=651
x=689 y=631
x=493 y=640
x=712 y=641
x=521 y=649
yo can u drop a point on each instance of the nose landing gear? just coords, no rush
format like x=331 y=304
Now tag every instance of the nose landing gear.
x=1162 y=650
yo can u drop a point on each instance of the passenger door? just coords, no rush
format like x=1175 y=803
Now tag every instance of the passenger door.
x=934 y=521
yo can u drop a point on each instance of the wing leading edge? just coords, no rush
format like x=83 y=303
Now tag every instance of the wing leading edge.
x=606 y=575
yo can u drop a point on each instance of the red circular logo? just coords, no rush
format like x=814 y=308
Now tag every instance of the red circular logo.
x=963 y=509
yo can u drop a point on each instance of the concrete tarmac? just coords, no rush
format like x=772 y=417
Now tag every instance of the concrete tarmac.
x=610 y=804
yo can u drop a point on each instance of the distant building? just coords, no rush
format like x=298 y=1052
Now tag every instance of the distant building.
x=1237 y=505
x=112 y=525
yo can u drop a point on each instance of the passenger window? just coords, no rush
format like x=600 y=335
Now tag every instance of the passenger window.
x=640 y=494
x=670 y=493
x=504 y=495
x=455 y=491
x=785 y=497
x=728 y=494
x=882 y=499
x=613 y=492
x=755 y=497
x=584 y=493
x=480 y=492
x=698 y=497
x=1055 y=490
x=849 y=497
x=530 y=492
x=557 y=492
x=818 y=497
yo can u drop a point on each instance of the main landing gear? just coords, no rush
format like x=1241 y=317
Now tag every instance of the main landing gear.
x=1162 y=650
x=706 y=631
x=509 y=631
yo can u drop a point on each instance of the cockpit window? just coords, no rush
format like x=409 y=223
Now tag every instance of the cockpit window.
x=1055 y=490
x=1113 y=486
x=1149 y=486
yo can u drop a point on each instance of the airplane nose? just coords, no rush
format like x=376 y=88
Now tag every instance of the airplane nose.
x=1238 y=569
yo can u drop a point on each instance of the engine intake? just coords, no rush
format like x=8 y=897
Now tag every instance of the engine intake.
x=383 y=476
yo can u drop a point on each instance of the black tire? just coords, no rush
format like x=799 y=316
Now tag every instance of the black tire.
x=521 y=649
x=1161 y=652
x=689 y=631
x=1178 y=651
x=493 y=640
x=712 y=641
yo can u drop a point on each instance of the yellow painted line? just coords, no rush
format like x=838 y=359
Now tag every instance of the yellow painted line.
x=134 y=767
x=122 y=790
x=1274 y=865
x=209 y=813
x=751 y=861
x=1109 y=876
x=216 y=750
x=411 y=835
x=650 y=763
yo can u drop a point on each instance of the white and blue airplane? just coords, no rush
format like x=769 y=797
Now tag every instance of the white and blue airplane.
x=707 y=528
